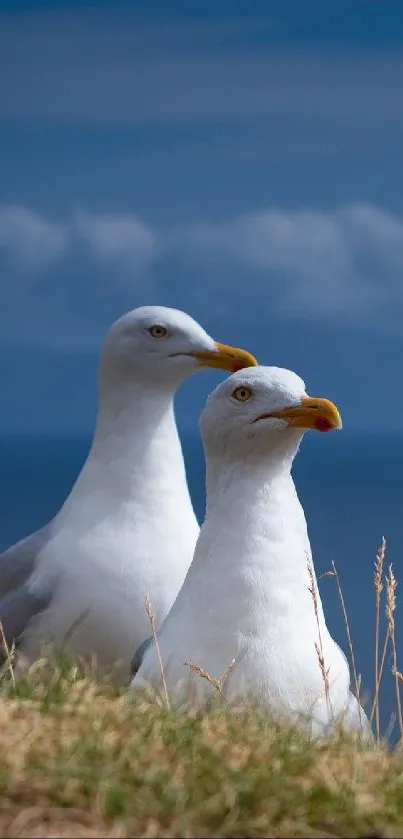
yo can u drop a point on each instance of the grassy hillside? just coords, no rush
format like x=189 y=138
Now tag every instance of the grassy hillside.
x=79 y=759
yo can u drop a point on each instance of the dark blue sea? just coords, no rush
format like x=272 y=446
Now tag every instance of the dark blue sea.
x=351 y=486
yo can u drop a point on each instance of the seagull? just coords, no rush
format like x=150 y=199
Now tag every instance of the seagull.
x=127 y=530
x=250 y=606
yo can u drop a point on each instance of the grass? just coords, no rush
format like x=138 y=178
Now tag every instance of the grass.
x=79 y=757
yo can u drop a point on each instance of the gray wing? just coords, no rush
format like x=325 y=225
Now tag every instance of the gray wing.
x=139 y=655
x=17 y=603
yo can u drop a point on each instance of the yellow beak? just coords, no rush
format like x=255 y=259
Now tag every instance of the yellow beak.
x=225 y=357
x=320 y=414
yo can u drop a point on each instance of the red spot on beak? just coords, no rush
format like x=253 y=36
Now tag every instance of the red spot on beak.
x=322 y=424
x=237 y=366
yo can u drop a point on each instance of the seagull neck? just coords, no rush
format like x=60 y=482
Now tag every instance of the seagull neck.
x=254 y=510
x=135 y=463
x=135 y=441
x=130 y=406
x=263 y=473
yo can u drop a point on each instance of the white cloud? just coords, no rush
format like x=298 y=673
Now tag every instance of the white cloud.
x=121 y=238
x=29 y=240
x=337 y=263
x=329 y=261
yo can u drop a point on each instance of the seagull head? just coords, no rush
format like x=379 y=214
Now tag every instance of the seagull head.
x=261 y=407
x=165 y=345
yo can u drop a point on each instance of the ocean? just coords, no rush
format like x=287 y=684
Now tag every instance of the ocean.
x=351 y=488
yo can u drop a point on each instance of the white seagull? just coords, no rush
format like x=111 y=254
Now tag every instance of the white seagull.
x=127 y=530
x=247 y=592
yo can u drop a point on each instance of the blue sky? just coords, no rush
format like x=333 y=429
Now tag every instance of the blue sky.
x=242 y=161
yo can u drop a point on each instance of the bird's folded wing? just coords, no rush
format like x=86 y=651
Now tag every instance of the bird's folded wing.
x=18 y=601
x=139 y=655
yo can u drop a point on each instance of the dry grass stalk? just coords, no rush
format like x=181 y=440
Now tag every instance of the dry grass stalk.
x=218 y=684
x=357 y=680
x=150 y=616
x=378 y=585
x=319 y=647
x=391 y=585
x=8 y=653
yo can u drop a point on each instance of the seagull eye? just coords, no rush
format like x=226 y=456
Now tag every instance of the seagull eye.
x=158 y=331
x=242 y=394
